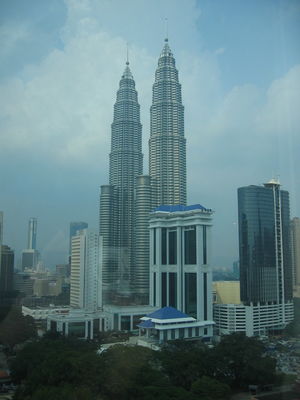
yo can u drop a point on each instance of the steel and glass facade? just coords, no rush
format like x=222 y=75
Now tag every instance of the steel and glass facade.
x=117 y=200
x=265 y=252
x=264 y=244
x=167 y=144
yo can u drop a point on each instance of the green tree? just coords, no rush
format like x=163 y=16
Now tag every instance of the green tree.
x=14 y=327
x=239 y=360
x=57 y=364
x=210 y=389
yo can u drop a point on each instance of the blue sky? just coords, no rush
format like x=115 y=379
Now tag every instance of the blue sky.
x=60 y=64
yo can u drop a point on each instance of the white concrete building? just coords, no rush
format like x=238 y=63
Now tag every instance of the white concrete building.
x=253 y=320
x=180 y=254
x=86 y=271
x=168 y=323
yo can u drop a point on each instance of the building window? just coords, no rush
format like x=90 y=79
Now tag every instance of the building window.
x=125 y=322
x=163 y=289
x=190 y=245
x=154 y=246
x=204 y=245
x=191 y=294
x=164 y=246
x=172 y=247
x=205 y=295
x=173 y=289
x=154 y=289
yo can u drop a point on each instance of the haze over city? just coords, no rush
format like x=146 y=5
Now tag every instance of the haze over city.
x=61 y=62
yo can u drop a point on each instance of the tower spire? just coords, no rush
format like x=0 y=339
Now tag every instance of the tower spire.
x=167 y=30
x=127 y=58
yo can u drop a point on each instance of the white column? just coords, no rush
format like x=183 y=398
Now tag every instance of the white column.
x=131 y=322
x=66 y=328
x=92 y=329
x=86 y=329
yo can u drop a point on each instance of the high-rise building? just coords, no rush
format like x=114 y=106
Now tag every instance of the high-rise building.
x=167 y=144
x=86 y=279
x=32 y=231
x=295 y=241
x=265 y=264
x=6 y=269
x=264 y=245
x=30 y=256
x=74 y=227
x=117 y=200
x=166 y=184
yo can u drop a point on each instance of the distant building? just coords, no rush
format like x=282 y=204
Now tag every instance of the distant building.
x=32 y=232
x=180 y=257
x=236 y=269
x=30 y=259
x=6 y=269
x=63 y=270
x=47 y=287
x=23 y=283
x=86 y=272
x=30 y=256
x=74 y=227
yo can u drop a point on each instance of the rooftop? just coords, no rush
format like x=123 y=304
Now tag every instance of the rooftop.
x=179 y=207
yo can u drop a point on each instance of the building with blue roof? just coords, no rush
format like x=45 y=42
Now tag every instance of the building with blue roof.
x=180 y=265
x=168 y=323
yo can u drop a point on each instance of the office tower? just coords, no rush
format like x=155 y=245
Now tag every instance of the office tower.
x=86 y=254
x=30 y=258
x=74 y=227
x=180 y=257
x=295 y=241
x=167 y=144
x=166 y=184
x=117 y=200
x=141 y=267
x=6 y=269
x=32 y=230
x=264 y=245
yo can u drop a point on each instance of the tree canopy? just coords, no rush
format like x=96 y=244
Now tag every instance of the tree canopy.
x=55 y=367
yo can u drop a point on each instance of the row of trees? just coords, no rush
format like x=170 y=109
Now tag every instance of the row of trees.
x=67 y=368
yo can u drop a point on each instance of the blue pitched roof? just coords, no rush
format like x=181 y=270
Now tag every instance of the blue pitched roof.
x=179 y=208
x=167 y=313
x=146 y=324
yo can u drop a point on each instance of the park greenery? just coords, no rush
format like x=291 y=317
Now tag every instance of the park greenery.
x=15 y=328
x=54 y=367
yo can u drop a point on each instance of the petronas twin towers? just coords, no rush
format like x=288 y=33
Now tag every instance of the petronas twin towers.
x=126 y=202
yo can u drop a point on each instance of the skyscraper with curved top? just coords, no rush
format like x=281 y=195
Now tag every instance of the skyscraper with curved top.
x=167 y=144
x=117 y=211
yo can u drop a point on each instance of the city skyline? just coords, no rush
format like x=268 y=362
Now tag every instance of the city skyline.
x=58 y=84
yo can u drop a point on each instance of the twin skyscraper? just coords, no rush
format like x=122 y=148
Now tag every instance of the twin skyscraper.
x=126 y=202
